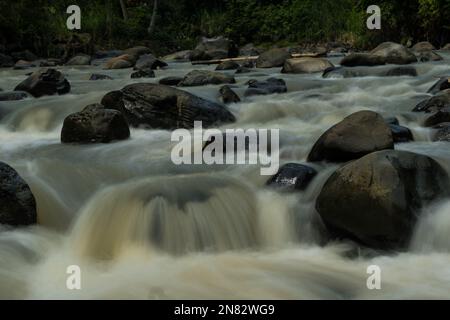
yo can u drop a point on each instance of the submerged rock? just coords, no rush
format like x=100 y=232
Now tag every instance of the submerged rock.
x=376 y=200
x=401 y=134
x=13 y=95
x=306 y=65
x=205 y=77
x=359 y=134
x=345 y=72
x=96 y=76
x=443 y=132
x=227 y=65
x=163 y=107
x=44 y=82
x=272 y=58
x=143 y=73
x=17 y=203
x=264 y=87
x=292 y=176
x=227 y=95
x=95 y=124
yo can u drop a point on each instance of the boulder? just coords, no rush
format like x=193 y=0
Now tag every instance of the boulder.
x=441 y=85
x=95 y=124
x=394 y=53
x=121 y=62
x=143 y=73
x=443 y=132
x=22 y=65
x=163 y=107
x=17 y=203
x=171 y=81
x=423 y=47
x=264 y=87
x=214 y=48
x=249 y=50
x=446 y=47
x=107 y=54
x=359 y=134
x=292 y=176
x=439 y=101
x=45 y=82
x=441 y=116
x=6 y=61
x=148 y=61
x=13 y=95
x=205 y=77
x=227 y=65
x=376 y=200
x=401 y=134
x=362 y=59
x=96 y=76
x=179 y=56
x=79 y=60
x=227 y=95
x=428 y=56
x=306 y=65
x=137 y=51
x=272 y=58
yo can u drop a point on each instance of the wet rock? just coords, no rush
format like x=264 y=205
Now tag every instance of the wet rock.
x=95 y=124
x=171 y=81
x=143 y=73
x=214 y=48
x=17 y=203
x=179 y=56
x=272 y=58
x=163 y=107
x=392 y=120
x=227 y=95
x=227 y=65
x=149 y=61
x=362 y=59
x=137 y=51
x=376 y=200
x=249 y=50
x=306 y=65
x=442 y=84
x=6 y=61
x=26 y=55
x=441 y=116
x=443 y=132
x=242 y=69
x=423 y=47
x=357 y=135
x=96 y=76
x=13 y=95
x=264 y=87
x=439 y=101
x=394 y=53
x=79 y=60
x=292 y=176
x=428 y=56
x=121 y=62
x=22 y=65
x=401 y=134
x=205 y=77
x=45 y=82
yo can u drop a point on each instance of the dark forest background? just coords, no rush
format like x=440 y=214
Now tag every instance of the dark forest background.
x=40 y=25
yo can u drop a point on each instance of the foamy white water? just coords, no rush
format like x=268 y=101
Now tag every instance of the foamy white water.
x=142 y=228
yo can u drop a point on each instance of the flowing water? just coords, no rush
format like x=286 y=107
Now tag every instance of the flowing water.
x=141 y=227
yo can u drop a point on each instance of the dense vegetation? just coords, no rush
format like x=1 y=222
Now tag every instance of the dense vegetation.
x=39 y=24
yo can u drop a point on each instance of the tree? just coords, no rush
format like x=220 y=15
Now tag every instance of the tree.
x=124 y=10
x=151 y=27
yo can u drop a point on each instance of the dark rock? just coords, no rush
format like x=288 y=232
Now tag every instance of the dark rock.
x=13 y=95
x=148 y=61
x=249 y=50
x=227 y=65
x=214 y=48
x=121 y=62
x=392 y=120
x=269 y=86
x=45 y=82
x=402 y=71
x=446 y=47
x=22 y=65
x=171 y=81
x=227 y=95
x=24 y=55
x=292 y=176
x=179 y=56
x=204 y=77
x=6 y=61
x=441 y=85
x=107 y=54
x=362 y=59
x=137 y=51
x=443 y=133
x=441 y=116
x=96 y=76
x=306 y=65
x=440 y=101
x=428 y=56
x=143 y=73
x=163 y=107
x=95 y=124
x=17 y=203
x=79 y=60
x=272 y=58
x=353 y=72
x=359 y=134
x=376 y=200
x=401 y=134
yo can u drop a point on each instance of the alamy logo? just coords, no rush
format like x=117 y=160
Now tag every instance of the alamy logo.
x=74 y=20
x=232 y=146
x=73 y=281
x=374 y=280
x=374 y=21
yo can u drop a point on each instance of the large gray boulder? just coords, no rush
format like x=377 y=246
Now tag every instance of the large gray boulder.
x=357 y=135
x=17 y=203
x=44 y=82
x=214 y=48
x=205 y=77
x=306 y=65
x=394 y=53
x=376 y=200
x=162 y=107
x=272 y=58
